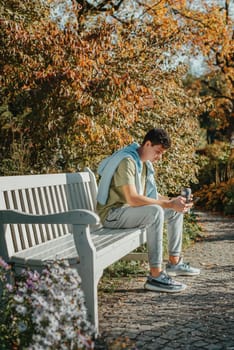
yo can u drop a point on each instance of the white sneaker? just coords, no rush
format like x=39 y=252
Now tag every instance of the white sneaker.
x=163 y=283
x=181 y=269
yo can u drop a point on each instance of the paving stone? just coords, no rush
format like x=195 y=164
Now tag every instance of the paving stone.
x=215 y=347
x=200 y=344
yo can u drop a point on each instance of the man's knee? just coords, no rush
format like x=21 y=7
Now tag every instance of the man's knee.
x=155 y=212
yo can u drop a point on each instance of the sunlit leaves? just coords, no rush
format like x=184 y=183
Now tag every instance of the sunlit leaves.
x=75 y=94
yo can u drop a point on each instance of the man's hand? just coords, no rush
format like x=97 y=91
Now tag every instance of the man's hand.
x=179 y=204
x=134 y=199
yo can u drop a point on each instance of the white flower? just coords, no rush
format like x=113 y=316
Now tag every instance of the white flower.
x=18 y=298
x=36 y=346
x=23 y=290
x=39 y=301
x=70 y=332
x=22 y=310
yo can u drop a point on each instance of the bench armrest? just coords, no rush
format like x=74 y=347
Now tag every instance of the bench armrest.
x=75 y=217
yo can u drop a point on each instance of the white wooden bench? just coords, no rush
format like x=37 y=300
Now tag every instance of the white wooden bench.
x=52 y=216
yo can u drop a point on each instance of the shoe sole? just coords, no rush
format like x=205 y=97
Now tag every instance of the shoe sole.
x=173 y=274
x=161 y=289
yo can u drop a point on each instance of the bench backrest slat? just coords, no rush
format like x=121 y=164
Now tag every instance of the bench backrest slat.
x=43 y=194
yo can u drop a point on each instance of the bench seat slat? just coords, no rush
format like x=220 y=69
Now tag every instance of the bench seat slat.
x=52 y=254
x=105 y=237
x=47 y=255
x=56 y=244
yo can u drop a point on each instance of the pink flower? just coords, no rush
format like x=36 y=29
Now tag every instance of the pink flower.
x=9 y=287
x=4 y=264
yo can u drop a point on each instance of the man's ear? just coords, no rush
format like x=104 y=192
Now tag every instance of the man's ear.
x=148 y=143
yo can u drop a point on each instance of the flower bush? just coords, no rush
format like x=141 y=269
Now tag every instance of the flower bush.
x=43 y=311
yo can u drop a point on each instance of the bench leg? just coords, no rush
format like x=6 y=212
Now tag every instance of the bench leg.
x=88 y=271
x=89 y=286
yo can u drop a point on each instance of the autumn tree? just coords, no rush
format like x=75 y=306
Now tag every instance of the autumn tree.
x=72 y=94
x=207 y=30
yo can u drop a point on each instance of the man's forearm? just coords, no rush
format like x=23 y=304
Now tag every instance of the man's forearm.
x=136 y=200
x=140 y=200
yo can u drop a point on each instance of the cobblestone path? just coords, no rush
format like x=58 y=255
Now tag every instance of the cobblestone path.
x=201 y=317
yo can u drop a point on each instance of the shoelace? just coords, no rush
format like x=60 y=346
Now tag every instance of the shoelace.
x=166 y=277
x=186 y=266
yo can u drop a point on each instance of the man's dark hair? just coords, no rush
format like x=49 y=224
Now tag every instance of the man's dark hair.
x=158 y=136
